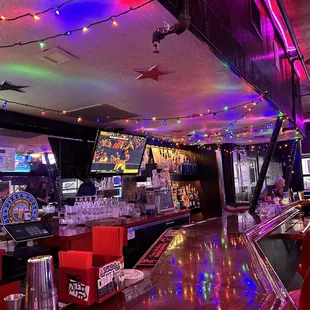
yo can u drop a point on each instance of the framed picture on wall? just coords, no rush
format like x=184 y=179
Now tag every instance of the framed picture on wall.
x=305 y=166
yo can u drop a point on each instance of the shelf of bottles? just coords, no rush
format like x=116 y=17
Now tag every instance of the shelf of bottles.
x=185 y=195
x=177 y=162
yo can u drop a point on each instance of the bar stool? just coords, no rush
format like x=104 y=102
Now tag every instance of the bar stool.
x=302 y=297
x=305 y=255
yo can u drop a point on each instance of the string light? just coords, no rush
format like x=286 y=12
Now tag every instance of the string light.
x=53 y=8
x=4 y=104
x=95 y=23
x=42 y=44
x=43 y=113
x=98 y=120
x=85 y=29
x=214 y=115
x=114 y=22
x=2 y=17
x=164 y=120
x=36 y=17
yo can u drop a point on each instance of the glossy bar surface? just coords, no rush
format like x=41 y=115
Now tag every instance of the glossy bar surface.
x=214 y=264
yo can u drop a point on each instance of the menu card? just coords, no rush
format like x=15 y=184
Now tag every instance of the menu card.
x=7 y=159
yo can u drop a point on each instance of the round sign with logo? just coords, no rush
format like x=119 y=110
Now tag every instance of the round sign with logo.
x=18 y=207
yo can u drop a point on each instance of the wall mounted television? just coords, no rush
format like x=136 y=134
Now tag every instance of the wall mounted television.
x=117 y=153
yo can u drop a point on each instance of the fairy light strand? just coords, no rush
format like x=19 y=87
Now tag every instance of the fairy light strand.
x=37 y=14
x=69 y=32
x=135 y=120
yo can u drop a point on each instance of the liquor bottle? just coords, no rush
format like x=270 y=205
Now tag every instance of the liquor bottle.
x=183 y=167
x=194 y=166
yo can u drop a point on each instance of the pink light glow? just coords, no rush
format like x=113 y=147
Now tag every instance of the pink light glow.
x=282 y=33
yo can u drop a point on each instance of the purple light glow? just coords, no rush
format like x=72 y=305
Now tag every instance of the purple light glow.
x=282 y=33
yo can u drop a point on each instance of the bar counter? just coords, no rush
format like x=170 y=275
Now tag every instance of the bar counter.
x=214 y=264
x=79 y=238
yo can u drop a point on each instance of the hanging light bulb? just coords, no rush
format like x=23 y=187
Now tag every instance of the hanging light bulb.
x=98 y=120
x=154 y=118
x=79 y=119
x=57 y=12
x=165 y=122
x=85 y=29
x=214 y=115
x=114 y=22
x=42 y=44
x=36 y=17
x=43 y=113
x=4 y=104
x=2 y=17
x=178 y=120
x=68 y=33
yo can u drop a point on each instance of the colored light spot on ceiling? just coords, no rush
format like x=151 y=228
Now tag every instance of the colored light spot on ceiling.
x=48 y=75
x=32 y=72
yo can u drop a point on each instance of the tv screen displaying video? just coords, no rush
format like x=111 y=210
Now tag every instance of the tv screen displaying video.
x=117 y=153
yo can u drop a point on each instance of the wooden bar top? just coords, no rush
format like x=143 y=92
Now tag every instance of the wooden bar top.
x=66 y=233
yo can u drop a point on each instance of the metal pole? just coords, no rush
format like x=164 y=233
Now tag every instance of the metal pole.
x=292 y=35
x=267 y=159
x=291 y=164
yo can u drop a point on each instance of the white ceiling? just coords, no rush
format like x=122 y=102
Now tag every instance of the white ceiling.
x=102 y=70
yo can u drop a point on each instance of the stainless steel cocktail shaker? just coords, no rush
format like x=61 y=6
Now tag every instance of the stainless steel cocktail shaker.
x=41 y=290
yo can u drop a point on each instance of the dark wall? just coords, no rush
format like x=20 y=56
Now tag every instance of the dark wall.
x=227 y=26
x=208 y=175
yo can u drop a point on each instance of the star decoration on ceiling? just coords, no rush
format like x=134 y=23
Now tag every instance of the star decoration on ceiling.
x=5 y=85
x=153 y=73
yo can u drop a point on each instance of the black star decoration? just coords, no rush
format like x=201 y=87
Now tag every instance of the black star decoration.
x=5 y=85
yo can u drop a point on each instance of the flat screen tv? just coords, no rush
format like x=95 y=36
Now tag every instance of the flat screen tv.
x=117 y=153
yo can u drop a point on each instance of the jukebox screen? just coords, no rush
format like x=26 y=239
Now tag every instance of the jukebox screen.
x=117 y=153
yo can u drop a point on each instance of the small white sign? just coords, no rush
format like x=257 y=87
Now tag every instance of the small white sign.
x=131 y=235
x=78 y=290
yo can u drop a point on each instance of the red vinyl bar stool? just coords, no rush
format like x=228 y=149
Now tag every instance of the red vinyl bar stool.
x=302 y=297
x=305 y=255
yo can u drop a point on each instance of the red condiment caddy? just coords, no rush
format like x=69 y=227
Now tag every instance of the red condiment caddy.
x=86 y=278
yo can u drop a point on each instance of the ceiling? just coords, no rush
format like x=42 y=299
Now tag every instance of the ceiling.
x=24 y=142
x=99 y=79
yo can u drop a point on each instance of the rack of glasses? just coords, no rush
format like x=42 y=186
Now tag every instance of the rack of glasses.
x=89 y=208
